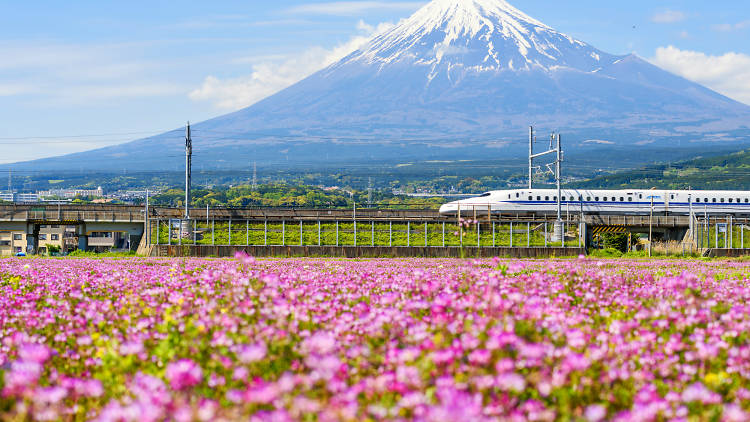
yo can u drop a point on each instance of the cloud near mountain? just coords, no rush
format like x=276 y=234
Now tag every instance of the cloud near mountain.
x=270 y=77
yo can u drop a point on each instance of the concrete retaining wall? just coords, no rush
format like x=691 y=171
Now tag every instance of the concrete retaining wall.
x=728 y=253
x=361 y=252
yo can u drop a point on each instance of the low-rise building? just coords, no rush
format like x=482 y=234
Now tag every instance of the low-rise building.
x=71 y=193
x=12 y=242
x=51 y=235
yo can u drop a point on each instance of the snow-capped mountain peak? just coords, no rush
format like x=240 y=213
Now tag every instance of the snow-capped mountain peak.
x=478 y=35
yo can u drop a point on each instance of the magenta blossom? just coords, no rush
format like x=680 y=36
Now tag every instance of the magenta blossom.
x=184 y=374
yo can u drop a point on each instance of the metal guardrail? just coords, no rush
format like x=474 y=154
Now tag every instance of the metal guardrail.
x=362 y=232
x=79 y=216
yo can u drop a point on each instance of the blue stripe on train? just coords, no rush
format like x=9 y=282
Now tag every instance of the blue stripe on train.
x=671 y=204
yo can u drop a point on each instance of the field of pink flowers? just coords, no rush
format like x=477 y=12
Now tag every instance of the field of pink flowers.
x=434 y=340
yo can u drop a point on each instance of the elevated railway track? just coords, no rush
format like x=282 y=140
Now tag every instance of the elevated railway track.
x=364 y=232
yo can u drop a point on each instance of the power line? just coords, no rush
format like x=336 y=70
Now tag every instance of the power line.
x=19 y=138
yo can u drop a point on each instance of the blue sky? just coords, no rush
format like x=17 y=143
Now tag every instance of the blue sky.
x=82 y=74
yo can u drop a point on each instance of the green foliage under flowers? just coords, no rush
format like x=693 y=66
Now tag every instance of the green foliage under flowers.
x=313 y=339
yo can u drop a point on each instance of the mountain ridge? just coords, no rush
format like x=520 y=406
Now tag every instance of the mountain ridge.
x=457 y=79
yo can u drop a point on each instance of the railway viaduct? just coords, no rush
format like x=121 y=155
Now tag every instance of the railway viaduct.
x=132 y=220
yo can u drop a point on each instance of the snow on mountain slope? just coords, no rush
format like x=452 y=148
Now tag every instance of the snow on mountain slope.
x=482 y=35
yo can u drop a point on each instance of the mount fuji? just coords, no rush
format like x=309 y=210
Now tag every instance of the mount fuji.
x=459 y=79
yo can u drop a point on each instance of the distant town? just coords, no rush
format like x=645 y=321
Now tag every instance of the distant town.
x=97 y=196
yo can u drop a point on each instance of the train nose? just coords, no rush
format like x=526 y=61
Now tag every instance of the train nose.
x=451 y=208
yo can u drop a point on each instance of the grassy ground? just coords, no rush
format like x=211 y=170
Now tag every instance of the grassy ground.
x=367 y=234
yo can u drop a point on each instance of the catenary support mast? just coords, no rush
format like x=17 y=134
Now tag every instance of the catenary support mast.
x=531 y=157
x=188 y=169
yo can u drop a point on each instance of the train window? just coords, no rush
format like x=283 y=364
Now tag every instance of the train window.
x=508 y=196
x=580 y=198
x=484 y=195
x=671 y=196
x=516 y=195
x=622 y=199
x=546 y=198
x=596 y=198
x=640 y=196
x=538 y=198
x=738 y=200
x=604 y=199
x=630 y=199
x=531 y=198
x=554 y=198
x=730 y=200
x=746 y=200
x=714 y=200
x=588 y=198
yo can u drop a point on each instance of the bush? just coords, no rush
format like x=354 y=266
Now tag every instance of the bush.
x=618 y=241
x=606 y=253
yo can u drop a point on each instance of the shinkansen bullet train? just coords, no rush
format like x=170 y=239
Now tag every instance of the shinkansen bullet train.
x=628 y=202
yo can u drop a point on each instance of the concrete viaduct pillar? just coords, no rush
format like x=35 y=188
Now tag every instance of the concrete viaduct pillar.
x=32 y=238
x=83 y=238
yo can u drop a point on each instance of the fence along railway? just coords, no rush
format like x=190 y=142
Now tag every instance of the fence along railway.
x=366 y=232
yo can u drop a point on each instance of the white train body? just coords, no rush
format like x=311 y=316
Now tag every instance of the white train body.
x=628 y=202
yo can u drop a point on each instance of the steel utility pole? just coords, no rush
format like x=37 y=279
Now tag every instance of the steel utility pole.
x=692 y=217
x=531 y=157
x=557 y=179
x=650 y=226
x=146 y=225
x=188 y=169
x=555 y=147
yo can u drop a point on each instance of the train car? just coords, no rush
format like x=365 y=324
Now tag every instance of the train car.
x=621 y=202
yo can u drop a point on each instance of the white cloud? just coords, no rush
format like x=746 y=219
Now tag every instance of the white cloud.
x=272 y=76
x=73 y=73
x=669 y=16
x=349 y=8
x=9 y=90
x=729 y=27
x=728 y=74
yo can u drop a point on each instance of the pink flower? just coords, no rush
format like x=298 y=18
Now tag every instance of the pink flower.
x=734 y=413
x=32 y=352
x=244 y=258
x=88 y=387
x=22 y=375
x=511 y=382
x=207 y=410
x=480 y=357
x=595 y=413
x=443 y=356
x=261 y=393
x=698 y=392
x=320 y=343
x=46 y=396
x=252 y=353
x=184 y=374
x=131 y=348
